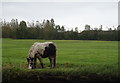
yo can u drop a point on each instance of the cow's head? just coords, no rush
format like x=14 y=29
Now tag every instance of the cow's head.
x=31 y=62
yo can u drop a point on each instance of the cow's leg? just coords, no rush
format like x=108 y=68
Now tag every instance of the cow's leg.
x=55 y=61
x=52 y=61
x=41 y=62
x=35 y=60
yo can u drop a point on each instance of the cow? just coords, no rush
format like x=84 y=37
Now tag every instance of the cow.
x=41 y=50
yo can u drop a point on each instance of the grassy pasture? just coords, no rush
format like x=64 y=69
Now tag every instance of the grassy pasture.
x=77 y=60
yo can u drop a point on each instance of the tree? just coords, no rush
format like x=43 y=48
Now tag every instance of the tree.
x=87 y=27
x=118 y=28
x=48 y=30
x=100 y=29
x=22 y=30
x=57 y=27
x=109 y=29
x=6 y=31
x=76 y=29
x=13 y=26
x=52 y=23
x=62 y=29
x=38 y=25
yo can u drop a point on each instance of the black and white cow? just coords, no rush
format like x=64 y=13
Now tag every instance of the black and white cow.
x=41 y=50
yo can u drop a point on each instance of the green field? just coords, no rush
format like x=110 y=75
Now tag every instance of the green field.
x=78 y=60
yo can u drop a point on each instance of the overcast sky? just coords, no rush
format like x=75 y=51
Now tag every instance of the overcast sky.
x=69 y=14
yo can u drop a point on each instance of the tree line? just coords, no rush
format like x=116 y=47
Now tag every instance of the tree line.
x=49 y=31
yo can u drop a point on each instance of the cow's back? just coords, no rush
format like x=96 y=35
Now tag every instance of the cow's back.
x=45 y=49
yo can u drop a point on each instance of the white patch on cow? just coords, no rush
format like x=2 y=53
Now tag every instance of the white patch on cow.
x=29 y=67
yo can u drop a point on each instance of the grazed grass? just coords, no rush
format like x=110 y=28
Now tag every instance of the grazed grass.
x=76 y=60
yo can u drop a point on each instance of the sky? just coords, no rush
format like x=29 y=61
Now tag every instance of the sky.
x=68 y=14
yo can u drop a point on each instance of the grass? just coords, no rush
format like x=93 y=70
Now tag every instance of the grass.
x=76 y=60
